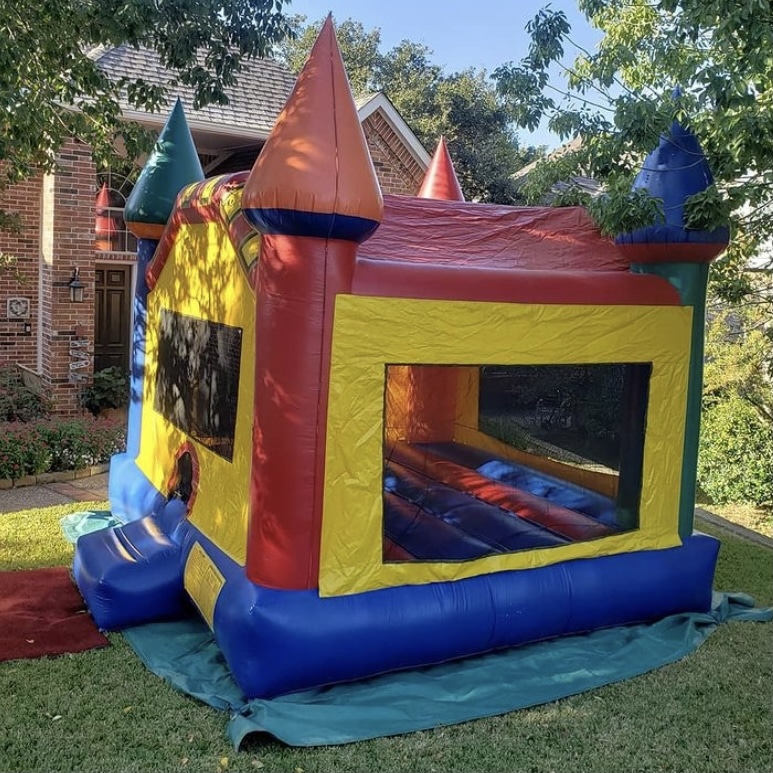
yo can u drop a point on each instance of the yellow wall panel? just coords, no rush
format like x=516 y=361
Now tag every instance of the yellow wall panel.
x=373 y=332
x=203 y=278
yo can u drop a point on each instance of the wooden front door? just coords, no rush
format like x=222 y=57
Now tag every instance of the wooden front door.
x=112 y=288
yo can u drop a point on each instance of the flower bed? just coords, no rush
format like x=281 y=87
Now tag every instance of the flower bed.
x=57 y=445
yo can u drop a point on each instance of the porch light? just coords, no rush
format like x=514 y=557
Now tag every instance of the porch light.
x=76 y=287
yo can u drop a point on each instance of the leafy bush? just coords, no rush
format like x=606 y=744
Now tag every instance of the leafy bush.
x=57 y=445
x=22 y=451
x=109 y=389
x=734 y=464
x=735 y=461
x=17 y=401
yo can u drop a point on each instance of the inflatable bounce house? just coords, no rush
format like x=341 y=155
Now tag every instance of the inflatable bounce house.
x=369 y=433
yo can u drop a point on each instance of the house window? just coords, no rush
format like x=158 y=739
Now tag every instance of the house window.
x=111 y=233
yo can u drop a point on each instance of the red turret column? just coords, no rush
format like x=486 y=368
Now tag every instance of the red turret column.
x=314 y=196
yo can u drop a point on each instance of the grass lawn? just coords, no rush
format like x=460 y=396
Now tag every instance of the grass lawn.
x=103 y=711
x=757 y=519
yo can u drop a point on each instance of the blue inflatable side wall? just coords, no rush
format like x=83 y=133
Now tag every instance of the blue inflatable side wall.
x=131 y=494
x=277 y=642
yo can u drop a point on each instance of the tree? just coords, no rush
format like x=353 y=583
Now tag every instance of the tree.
x=621 y=98
x=462 y=106
x=50 y=89
x=618 y=102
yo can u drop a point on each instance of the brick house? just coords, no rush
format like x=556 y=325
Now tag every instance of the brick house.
x=73 y=222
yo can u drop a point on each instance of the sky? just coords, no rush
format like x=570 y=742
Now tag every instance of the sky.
x=461 y=33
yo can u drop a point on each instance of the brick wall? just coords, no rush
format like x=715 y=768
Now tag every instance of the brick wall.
x=396 y=168
x=18 y=337
x=66 y=324
x=58 y=235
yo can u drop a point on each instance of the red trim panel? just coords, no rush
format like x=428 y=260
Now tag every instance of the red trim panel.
x=401 y=279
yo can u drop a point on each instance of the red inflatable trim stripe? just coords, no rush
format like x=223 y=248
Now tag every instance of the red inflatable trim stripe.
x=467 y=283
x=568 y=523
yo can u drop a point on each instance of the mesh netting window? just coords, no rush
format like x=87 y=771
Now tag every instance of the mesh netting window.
x=583 y=414
x=197 y=380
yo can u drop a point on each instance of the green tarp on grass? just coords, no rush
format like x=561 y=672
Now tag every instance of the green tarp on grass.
x=75 y=525
x=184 y=652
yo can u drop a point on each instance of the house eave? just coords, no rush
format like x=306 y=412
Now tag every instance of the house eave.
x=204 y=127
x=381 y=102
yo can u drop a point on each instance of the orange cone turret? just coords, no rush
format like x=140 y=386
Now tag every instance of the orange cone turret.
x=315 y=176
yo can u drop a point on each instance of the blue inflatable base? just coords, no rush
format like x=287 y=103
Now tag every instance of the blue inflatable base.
x=311 y=641
x=134 y=573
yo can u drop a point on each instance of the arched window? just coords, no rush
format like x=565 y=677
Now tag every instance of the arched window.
x=113 y=188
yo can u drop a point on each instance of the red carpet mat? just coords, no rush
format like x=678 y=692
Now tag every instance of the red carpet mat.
x=42 y=613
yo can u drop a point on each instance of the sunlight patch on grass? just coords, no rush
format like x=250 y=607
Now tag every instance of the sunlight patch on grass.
x=31 y=539
x=751 y=517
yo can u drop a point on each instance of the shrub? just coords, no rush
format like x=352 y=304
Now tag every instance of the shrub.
x=22 y=451
x=17 y=401
x=109 y=389
x=57 y=445
x=77 y=443
x=734 y=464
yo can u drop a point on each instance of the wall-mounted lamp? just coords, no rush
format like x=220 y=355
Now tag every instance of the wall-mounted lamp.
x=76 y=287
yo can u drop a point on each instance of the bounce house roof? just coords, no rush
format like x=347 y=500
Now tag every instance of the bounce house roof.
x=487 y=235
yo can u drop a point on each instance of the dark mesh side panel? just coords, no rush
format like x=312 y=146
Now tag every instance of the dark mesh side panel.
x=581 y=410
x=197 y=382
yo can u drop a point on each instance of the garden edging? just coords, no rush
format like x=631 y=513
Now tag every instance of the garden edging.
x=53 y=477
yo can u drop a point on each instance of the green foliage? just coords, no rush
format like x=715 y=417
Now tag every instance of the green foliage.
x=14 y=441
x=51 y=89
x=109 y=389
x=77 y=443
x=463 y=106
x=622 y=209
x=57 y=445
x=734 y=463
x=739 y=357
x=620 y=99
x=17 y=401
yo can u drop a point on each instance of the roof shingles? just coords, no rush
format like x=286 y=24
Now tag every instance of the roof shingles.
x=255 y=102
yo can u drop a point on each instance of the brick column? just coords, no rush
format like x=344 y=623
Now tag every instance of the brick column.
x=67 y=214
x=397 y=170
